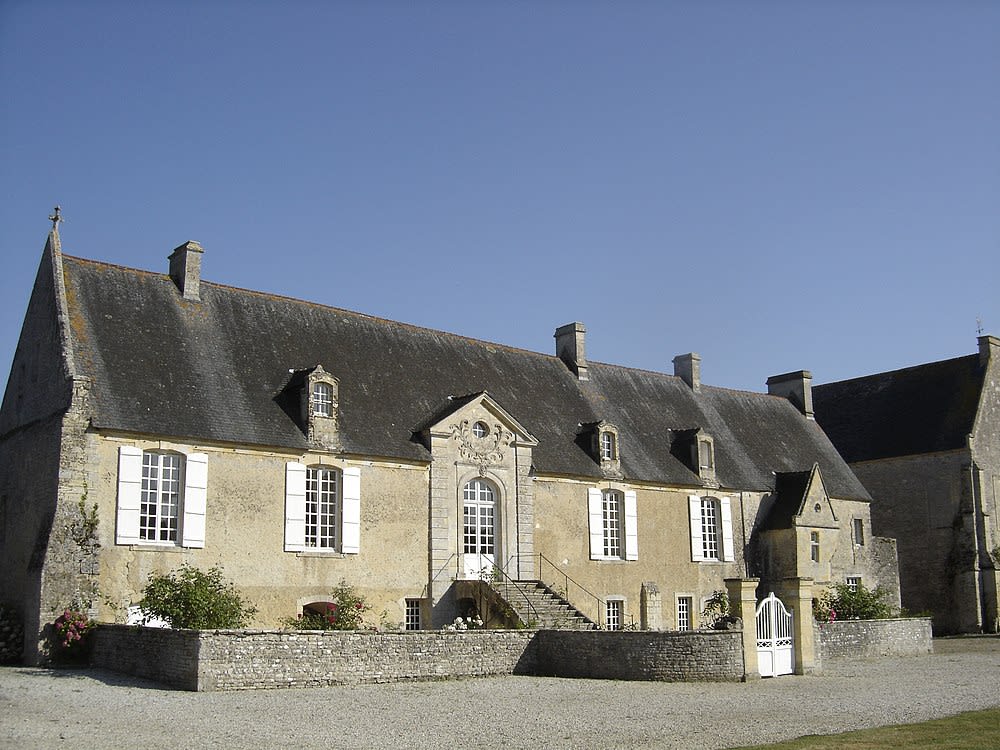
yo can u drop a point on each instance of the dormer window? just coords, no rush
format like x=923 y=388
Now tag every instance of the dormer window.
x=322 y=398
x=609 y=448
x=706 y=456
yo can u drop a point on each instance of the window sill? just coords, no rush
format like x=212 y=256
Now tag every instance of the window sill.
x=612 y=560
x=320 y=553
x=156 y=547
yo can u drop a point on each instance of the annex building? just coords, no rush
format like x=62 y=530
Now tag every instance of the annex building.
x=925 y=441
x=154 y=418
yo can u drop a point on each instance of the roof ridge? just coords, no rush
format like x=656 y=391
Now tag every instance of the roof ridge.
x=898 y=370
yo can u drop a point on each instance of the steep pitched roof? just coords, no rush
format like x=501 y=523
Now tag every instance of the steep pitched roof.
x=915 y=410
x=212 y=370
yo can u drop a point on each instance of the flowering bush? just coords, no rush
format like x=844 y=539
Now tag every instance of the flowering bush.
x=843 y=602
x=345 y=611
x=191 y=598
x=70 y=634
x=464 y=623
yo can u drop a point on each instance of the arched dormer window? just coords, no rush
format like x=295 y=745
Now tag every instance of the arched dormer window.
x=609 y=446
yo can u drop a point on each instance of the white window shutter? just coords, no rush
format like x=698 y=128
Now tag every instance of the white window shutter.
x=694 y=511
x=631 y=526
x=728 y=552
x=295 y=507
x=351 y=511
x=129 y=495
x=595 y=512
x=195 y=499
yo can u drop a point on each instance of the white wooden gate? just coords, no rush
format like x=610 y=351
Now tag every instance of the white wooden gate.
x=775 y=639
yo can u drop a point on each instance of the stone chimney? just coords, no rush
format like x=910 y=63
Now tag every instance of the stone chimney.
x=688 y=368
x=989 y=348
x=570 y=348
x=185 y=269
x=796 y=387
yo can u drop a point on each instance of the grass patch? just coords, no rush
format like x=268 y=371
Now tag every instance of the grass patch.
x=975 y=730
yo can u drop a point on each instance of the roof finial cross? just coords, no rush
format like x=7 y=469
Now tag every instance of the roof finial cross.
x=55 y=218
x=979 y=326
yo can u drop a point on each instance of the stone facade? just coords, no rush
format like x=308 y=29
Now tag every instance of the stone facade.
x=446 y=459
x=935 y=480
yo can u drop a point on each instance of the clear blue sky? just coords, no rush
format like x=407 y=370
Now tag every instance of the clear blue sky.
x=775 y=185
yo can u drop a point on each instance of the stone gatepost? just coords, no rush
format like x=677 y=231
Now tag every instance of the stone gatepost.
x=796 y=593
x=742 y=594
x=651 y=607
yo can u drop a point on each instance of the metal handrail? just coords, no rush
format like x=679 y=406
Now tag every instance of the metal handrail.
x=451 y=557
x=487 y=578
x=566 y=584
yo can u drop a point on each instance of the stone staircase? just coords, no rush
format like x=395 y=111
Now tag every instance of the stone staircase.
x=547 y=610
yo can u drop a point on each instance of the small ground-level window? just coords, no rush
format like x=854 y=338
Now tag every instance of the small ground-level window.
x=853 y=582
x=684 y=613
x=613 y=614
x=814 y=546
x=411 y=619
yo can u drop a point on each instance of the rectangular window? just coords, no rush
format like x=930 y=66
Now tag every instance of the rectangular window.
x=613 y=614
x=705 y=458
x=853 y=582
x=322 y=507
x=322 y=399
x=814 y=546
x=160 y=499
x=411 y=620
x=859 y=532
x=710 y=528
x=607 y=446
x=684 y=613
x=612 y=510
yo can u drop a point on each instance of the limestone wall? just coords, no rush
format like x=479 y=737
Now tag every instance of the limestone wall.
x=868 y=639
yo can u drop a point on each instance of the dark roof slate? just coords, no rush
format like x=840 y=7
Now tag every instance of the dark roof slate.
x=921 y=409
x=216 y=370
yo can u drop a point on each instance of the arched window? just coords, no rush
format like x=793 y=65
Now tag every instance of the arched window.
x=479 y=518
x=608 y=449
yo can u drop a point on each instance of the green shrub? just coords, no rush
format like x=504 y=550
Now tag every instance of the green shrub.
x=843 y=603
x=344 y=611
x=190 y=598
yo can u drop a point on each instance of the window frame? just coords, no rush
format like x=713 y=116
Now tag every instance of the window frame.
x=295 y=509
x=161 y=525
x=321 y=395
x=192 y=501
x=614 y=613
x=628 y=524
x=607 y=445
x=324 y=494
x=722 y=511
x=858 y=530
x=814 y=546
x=853 y=582
x=685 y=620
x=412 y=614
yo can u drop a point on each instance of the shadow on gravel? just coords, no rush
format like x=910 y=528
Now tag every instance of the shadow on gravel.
x=105 y=676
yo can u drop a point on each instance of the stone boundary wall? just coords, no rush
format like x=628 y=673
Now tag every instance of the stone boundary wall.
x=250 y=659
x=868 y=639
x=697 y=655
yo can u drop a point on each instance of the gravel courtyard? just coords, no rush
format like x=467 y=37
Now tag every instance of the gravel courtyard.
x=94 y=708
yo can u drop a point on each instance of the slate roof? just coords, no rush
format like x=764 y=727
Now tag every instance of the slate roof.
x=921 y=409
x=214 y=371
x=789 y=489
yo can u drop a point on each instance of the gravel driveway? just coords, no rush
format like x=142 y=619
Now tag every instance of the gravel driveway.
x=94 y=708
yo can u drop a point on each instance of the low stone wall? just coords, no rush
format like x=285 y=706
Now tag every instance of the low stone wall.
x=250 y=659
x=698 y=655
x=868 y=639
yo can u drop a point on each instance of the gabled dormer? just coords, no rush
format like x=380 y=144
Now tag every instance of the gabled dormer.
x=605 y=446
x=482 y=429
x=312 y=398
x=696 y=449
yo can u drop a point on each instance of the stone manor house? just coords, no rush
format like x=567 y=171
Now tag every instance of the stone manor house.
x=298 y=445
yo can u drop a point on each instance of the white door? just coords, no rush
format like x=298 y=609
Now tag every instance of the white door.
x=479 y=528
x=775 y=638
